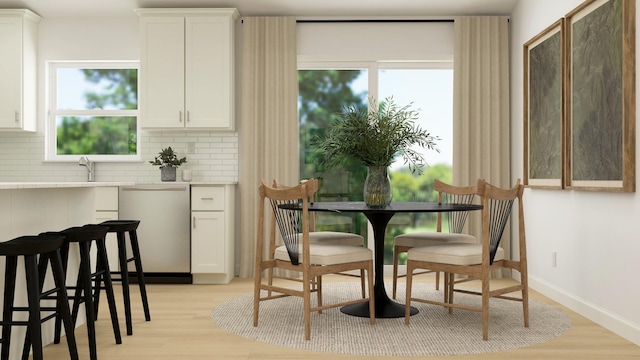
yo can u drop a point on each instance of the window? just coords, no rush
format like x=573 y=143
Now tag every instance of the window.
x=93 y=111
x=325 y=88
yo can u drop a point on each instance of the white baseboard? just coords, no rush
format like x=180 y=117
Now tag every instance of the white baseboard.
x=602 y=317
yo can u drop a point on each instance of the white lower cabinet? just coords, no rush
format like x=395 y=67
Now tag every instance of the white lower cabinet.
x=212 y=234
x=106 y=205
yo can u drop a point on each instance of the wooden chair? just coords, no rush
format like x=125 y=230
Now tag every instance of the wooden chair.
x=327 y=238
x=447 y=194
x=299 y=254
x=478 y=260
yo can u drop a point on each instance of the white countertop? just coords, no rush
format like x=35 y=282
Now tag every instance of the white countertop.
x=51 y=185
x=78 y=184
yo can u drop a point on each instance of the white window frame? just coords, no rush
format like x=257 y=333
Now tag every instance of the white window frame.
x=52 y=112
x=373 y=68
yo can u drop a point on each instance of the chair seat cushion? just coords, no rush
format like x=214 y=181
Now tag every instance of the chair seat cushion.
x=455 y=253
x=336 y=238
x=432 y=238
x=329 y=254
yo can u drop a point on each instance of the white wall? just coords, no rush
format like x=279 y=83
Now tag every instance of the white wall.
x=339 y=41
x=595 y=234
x=22 y=154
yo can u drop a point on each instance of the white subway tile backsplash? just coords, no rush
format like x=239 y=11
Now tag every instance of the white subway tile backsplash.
x=215 y=158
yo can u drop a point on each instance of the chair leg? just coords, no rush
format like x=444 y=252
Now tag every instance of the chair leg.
x=525 y=300
x=306 y=297
x=446 y=287
x=363 y=284
x=372 y=304
x=395 y=271
x=437 y=280
x=256 y=293
x=7 y=312
x=408 y=282
x=485 y=307
x=269 y=280
x=318 y=292
x=450 y=290
x=135 y=248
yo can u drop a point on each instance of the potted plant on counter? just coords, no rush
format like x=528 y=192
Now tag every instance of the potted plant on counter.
x=375 y=136
x=168 y=162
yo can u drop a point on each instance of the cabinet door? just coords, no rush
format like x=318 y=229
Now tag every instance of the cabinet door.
x=208 y=245
x=10 y=72
x=162 y=72
x=208 y=72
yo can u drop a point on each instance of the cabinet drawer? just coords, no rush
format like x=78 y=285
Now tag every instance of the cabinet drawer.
x=207 y=198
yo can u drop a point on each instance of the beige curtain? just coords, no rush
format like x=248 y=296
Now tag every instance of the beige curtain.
x=481 y=106
x=268 y=128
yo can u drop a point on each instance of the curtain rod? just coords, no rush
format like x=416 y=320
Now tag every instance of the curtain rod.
x=375 y=21
x=372 y=21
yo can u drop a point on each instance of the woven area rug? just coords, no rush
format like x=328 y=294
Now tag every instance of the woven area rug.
x=431 y=332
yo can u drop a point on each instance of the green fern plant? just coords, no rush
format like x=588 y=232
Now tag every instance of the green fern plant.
x=375 y=136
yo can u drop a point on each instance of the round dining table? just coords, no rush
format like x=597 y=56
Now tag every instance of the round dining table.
x=379 y=218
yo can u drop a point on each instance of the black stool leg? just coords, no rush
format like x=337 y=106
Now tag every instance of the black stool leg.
x=64 y=256
x=135 y=248
x=63 y=304
x=103 y=268
x=42 y=271
x=97 y=286
x=77 y=296
x=85 y=285
x=124 y=272
x=7 y=312
x=33 y=296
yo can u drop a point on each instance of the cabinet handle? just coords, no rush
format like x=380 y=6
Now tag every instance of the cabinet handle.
x=188 y=117
x=194 y=222
x=207 y=198
x=17 y=116
x=180 y=115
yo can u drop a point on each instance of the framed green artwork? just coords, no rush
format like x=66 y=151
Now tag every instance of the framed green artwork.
x=543 y=109
x=600 y=96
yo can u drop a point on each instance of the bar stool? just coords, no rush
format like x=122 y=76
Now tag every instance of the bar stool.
x=29 y=247
x=84 y=236
x=121 y=228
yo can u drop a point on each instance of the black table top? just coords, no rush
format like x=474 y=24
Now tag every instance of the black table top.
x=394 y=207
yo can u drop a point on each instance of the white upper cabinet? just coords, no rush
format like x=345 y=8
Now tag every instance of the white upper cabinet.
x=187 y=70
x=18 y=41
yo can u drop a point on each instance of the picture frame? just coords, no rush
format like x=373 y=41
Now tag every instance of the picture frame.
x=544 y=108
x=600 y=109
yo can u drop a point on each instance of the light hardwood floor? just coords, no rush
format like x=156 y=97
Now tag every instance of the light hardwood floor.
x=181 y=328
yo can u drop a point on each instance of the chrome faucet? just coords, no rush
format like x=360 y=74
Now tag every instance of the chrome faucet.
x=84 y=161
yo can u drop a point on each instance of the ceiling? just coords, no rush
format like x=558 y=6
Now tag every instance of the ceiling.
x=301 y=8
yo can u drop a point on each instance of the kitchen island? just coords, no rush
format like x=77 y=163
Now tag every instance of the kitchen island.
x=28 y=208
x=32 y=208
